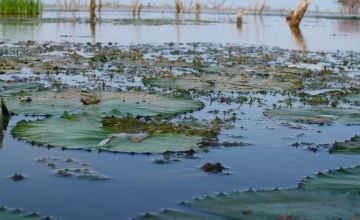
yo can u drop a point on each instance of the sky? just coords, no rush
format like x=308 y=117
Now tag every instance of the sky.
x=324 y=4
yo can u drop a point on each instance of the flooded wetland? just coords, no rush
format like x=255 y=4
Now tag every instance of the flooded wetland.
x=140 y=112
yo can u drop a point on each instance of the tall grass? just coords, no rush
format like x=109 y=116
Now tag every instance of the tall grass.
x=20 y=7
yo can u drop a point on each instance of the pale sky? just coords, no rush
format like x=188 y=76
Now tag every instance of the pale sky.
x=324 y=4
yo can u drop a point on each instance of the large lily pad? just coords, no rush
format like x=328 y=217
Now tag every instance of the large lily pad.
x=18 y=214
x=114 y=103
x=332 y=195
x=85 y=131
x=316 y=115
x=351 y=146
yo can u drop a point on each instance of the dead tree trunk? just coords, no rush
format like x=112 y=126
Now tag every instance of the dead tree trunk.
x=296 y=16
x=247 y=6
x=100 y=5
x=239 y=17
x=92 y=9
x=177 y=6
x=197 y=7
x=262 y=7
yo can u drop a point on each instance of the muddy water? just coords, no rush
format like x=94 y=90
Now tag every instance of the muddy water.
x=137 y=185
x=315 y=33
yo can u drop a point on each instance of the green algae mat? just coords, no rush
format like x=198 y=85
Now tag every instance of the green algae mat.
x=331 y=195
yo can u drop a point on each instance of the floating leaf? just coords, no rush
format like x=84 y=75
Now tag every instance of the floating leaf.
x=18 y=214
x=114 y=103
x=84 y=131
x=316 y=115
x=331 y=195
x=351 y=146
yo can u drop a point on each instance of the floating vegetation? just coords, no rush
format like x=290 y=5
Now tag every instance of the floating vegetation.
x=45 y=102
x=17 y=177
x=20 y=7
x=351 y=146
x=18 y=214
x=330 y=195
x=87 y=132
x=214 y=168
x=71 y=168
x=321 y=116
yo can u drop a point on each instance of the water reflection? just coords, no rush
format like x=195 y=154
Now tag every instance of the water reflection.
x=254 y=30
x=349 y=25
x=298 y=37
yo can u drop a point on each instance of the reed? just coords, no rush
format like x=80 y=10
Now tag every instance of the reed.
x=20 y=7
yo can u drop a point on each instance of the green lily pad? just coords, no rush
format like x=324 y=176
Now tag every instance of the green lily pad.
x=85 y=131
x=316 y=115
x=18 y=214
x=331 y=195
x=351 y=146
x=208 y=82
x=114 y=103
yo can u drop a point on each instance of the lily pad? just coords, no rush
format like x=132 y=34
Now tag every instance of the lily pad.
x=316 y=115
x=331 y=195
x=114 y=103
x=18 y=214
x=84 y=131
x=353 y=98
x=228 y=83
x=351 y=146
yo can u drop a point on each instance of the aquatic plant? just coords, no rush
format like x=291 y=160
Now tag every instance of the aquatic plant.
x=20 y=7
x=18 y=214
x=85 y=132
x=316 y=115
x=351 y=146
x=330 y=195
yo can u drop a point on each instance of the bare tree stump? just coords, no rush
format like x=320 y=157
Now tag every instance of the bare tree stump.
x=296 y=16
x=239 y=15
x=197 y=7
x=92 y=9
x=100 y=5
x=177 y=6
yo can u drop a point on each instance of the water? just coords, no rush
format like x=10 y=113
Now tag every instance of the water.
x=137 y=185
x=314 y=34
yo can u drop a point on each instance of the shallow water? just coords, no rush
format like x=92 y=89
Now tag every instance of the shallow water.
x=138 y=185
x=315 y=33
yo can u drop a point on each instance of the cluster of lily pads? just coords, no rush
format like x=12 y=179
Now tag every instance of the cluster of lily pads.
x=138 y=99
x=132 y=122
